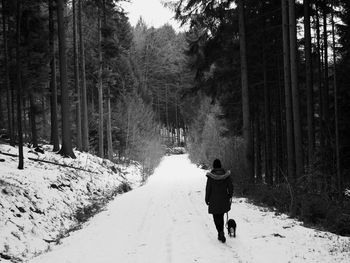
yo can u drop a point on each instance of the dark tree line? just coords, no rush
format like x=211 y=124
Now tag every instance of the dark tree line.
x=75 y=74
x=277 y=69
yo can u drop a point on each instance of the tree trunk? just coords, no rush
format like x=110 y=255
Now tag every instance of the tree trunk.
x=166 y=113
x=280 y=167
x=19 y=85
x=247 y=133
x=172 y=134
x=92 y=101
x=33 y=120
x=109 y=110
x=309 y=83
x=109 y=126
x=288 y=102
x=76 y=77
x=7 y=78
x=44 y=120
x=158 y=107
x=267 y=117
x=258 y=145
x=100 y=89
x=53 y=87
x=66 y=149
x=177 y=122
x=127 y=133
x=14 y=117
x=339 y=178
x=84 y=107
x=185 y=134
x=327 y=152
x=299 y=168
x=25 y=118
x=326 y=84
x=2 y=113
x=320 y=88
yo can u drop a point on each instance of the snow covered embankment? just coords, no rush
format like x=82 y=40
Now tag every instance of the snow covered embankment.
x=39 y=204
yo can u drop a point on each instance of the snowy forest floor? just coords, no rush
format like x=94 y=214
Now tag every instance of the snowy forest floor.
x=166 y=220
x=44 y=203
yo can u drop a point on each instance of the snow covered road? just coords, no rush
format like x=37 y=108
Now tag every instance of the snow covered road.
x=167 y=221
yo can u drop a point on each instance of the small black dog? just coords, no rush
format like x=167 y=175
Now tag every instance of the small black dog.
x=231 y=227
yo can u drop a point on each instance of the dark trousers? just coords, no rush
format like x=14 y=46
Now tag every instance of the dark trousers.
x=219 y=222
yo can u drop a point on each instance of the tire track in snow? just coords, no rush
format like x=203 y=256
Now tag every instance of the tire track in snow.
x=169 y=249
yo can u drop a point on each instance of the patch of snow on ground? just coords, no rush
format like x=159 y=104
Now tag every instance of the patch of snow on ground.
x=38 y=204
x=166 y=220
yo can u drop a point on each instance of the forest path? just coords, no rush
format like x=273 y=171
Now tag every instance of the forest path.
x=166 y=221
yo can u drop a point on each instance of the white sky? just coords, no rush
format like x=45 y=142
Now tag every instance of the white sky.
x=152 y=11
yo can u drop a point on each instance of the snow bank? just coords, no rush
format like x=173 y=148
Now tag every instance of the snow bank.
x=38 y=204
x=268 y=236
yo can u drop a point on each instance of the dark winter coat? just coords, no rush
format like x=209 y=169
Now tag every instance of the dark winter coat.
x=219 y=191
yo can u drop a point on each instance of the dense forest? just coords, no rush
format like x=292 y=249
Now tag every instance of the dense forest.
x=75 y=74
x=275 y=77
x=262 y=85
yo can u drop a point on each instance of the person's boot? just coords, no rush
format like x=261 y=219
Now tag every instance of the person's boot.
x=222 y=237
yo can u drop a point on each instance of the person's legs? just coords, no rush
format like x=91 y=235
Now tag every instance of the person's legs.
x=219 y=224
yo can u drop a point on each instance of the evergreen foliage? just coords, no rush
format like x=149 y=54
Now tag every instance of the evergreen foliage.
x=312 y=171
x=138 y=66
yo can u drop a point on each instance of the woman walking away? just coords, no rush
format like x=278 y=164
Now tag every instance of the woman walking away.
x=218 y=194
